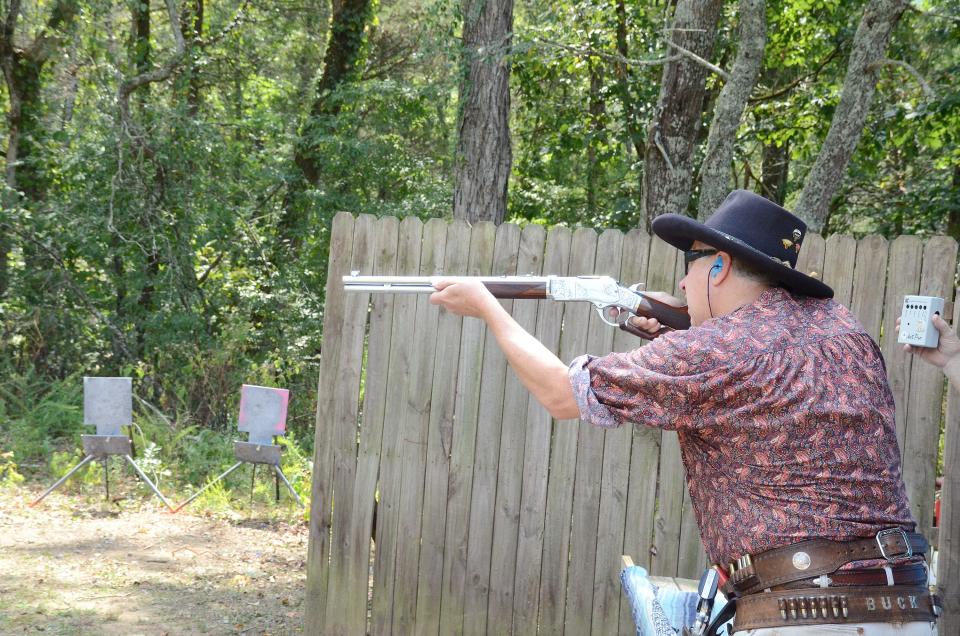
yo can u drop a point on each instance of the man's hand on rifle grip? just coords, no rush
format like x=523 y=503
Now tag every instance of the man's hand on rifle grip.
x=648 y=328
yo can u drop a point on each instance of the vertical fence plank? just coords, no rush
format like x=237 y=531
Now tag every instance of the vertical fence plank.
x=906 y=254
x=440 y=442
x=536 y=451
x=664 y=553
x=642 y=444
x=812 y=251
x=482 y=240
x=487 y=451
x=838 y=263
x=401 y=357
x=589 y=466
x=948 y=567
x=414 y=433
x=352 y=594
x=321 y=491
x=343 y=441
x=869 y=277
x=509 y=477
x=615 y=466
x=563 y=454
x=922 y=431
x=691 y=557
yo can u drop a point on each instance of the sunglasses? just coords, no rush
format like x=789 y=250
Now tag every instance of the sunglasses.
x=691 y=255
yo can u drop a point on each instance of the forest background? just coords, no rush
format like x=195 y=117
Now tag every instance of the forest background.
x=172 y=166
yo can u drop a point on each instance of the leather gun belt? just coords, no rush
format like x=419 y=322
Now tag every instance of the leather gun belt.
x=880 y=604
x=817 y=557
x=912 y=574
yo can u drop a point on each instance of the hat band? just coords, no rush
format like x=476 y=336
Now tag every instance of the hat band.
x=734 y=239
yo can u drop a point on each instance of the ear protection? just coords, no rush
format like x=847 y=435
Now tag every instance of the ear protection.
x=717 y=267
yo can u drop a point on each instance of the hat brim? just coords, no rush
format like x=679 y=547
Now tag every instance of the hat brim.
x=681 y=231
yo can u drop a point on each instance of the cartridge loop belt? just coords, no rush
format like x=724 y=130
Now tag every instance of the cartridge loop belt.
x=873 y=604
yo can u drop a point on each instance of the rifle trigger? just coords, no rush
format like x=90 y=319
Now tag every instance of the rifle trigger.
x=615 y=314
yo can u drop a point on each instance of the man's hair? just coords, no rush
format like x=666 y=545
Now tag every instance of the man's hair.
x=753 y=273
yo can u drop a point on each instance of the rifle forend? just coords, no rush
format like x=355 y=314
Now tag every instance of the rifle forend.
x=615 y=303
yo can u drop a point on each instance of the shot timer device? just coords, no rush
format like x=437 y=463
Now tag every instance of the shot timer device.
x=916 y=321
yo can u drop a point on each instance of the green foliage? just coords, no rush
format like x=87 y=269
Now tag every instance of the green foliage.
x=61 y=462
x=9 y=476
x=905 y=177
x=37 y=414
x=579 y=114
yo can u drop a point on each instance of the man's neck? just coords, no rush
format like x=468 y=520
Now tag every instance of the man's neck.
x=741 y=293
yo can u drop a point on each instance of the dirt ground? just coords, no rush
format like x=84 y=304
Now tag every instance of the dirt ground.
x=78 y=565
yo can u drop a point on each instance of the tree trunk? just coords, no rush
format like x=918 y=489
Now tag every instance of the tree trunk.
x=344 y=48
x=140 y=38
x=867 y=55
x=775 y=168
x=953 y=216
x=715 y=172
x=316 y=21
x=672 y=133
x=484 y=155
x=25 y=130
x=193 y=88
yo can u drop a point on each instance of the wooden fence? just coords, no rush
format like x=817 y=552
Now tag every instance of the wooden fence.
x=487 y=517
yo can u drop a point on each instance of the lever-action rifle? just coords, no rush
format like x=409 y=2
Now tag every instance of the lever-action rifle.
x=615 y=303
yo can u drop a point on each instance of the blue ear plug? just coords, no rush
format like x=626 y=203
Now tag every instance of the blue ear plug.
x=717 y=267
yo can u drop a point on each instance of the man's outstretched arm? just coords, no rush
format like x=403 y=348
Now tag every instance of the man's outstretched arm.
x=540 y=371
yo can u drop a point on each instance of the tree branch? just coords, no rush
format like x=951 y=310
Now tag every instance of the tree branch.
x=928 y=92
x=238 y=19
x=210 y=268
x=699 y=60
x=128 y=86
x=789 y=87
x=934 y=14
x=715 y=168
x=10 y=25
x=846 y=127
x=40 y=49
x=610 y=57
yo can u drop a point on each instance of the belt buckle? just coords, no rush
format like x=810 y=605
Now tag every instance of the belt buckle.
x=906 y=542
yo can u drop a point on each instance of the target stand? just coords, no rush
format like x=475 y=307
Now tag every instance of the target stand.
x=107 y=405
x=263 y=414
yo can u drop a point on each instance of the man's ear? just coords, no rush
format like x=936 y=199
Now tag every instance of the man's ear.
x=717 y=267
x=721 y=268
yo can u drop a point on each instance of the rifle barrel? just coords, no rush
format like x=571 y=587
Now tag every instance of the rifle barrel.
x=499 y=286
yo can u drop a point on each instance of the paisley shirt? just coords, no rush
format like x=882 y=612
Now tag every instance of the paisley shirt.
x=784 y=416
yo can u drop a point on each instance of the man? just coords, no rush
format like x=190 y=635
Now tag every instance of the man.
x=785 y=421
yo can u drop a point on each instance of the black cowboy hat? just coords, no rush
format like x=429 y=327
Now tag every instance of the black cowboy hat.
x=753 y=229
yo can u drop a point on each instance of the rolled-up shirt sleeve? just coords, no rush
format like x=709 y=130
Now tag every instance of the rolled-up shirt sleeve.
x=591 y=410
x=663 y=385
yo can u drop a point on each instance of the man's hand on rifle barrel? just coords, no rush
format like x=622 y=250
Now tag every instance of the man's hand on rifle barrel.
x=463 y=296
